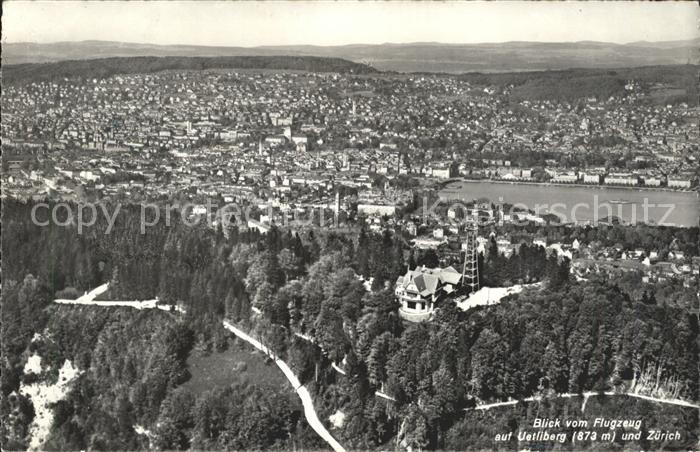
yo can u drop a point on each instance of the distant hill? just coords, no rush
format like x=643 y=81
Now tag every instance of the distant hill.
x=105 y=67
x=414 y=57
x=663 y=84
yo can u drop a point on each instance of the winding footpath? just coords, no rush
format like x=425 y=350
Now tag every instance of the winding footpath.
x=585 y=396
x=89 y=300
x=301 y=390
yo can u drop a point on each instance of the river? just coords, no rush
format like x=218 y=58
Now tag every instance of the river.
x=579 y=204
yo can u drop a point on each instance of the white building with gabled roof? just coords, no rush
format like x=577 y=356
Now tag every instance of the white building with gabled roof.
x=419 y=290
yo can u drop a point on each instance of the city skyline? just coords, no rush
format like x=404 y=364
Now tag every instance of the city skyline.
x=253 y=24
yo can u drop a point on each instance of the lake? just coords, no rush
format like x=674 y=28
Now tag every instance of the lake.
x=578 y=204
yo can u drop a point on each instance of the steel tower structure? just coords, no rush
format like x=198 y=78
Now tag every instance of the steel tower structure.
x=470 y=271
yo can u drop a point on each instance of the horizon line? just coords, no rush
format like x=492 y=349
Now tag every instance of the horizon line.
x=689 y=40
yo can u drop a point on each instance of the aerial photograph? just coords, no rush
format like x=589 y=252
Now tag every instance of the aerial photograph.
x=350 y=226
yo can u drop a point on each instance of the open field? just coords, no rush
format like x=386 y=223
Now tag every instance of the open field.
x=237 y=363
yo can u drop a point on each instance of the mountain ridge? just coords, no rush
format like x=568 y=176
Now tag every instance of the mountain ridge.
x=678 y=42
x=400 y=57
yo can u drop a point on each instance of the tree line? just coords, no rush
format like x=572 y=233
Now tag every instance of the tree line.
x=106 y=67
x=303 y=294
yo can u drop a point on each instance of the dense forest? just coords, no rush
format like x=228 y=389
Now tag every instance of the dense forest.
x=313 y=309
x=106 y=67
x=133 y=363
x=477 y=430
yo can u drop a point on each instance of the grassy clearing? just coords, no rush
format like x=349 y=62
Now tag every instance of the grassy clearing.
x=238 y=363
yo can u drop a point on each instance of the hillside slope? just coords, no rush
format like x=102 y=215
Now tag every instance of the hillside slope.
x=409 y=57
x=104 y=67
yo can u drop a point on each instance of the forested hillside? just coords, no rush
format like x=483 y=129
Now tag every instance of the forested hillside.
x=105 y=67
x=131 y=366
x=675 y=83
x=407 y=57
x=478 y=428
x=662 y=84
x=313 y=309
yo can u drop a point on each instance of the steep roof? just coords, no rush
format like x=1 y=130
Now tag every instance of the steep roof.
x=450 y=276
x=429 y=280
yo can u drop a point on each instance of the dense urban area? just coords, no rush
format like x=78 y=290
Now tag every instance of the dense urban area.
x=243 y=132
x=404 y=314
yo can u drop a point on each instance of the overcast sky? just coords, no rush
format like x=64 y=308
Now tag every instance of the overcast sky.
x=346 y=22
